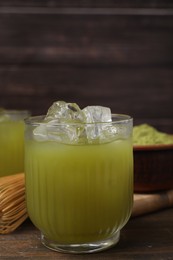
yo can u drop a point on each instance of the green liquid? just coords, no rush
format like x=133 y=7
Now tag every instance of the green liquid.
x=11 y=147
x=79 y=194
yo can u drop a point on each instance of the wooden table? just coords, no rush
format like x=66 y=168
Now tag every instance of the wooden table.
x=145 y=237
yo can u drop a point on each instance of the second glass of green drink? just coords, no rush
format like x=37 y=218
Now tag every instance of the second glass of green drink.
x=12 y=141
x=79 y=195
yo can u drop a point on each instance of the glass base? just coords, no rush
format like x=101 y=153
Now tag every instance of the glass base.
x=81 y=248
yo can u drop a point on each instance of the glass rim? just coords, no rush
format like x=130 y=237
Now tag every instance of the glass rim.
x=38 y=120
x=14 y=111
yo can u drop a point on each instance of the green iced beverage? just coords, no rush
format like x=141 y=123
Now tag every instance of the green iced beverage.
x=79 y=194
x=12 y=141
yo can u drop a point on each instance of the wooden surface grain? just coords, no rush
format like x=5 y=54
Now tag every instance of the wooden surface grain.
x=89 y=3
x=114 y=53
x=144 y=237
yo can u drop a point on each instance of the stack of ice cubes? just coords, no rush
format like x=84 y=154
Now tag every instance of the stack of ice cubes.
x=67 y=123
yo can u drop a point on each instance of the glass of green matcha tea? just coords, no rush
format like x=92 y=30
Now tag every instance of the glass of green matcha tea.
x=79 y=176
x=12 y=141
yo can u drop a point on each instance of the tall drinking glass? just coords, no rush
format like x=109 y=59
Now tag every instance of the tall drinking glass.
x=12 y=141
x=80 y=196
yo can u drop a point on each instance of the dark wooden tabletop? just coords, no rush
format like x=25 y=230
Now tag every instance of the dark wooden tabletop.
x=144 y=237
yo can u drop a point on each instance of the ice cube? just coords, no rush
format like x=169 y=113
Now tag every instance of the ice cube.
x=65 y=112
x=67 y=133
x=67 y=123
x=64 y=133
x=97 y=116
x=58 y=123
x=40 y=133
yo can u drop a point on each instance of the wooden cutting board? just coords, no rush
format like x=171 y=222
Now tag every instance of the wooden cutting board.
x=147 y=203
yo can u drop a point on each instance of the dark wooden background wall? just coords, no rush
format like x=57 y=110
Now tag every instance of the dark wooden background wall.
x=116 y=53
